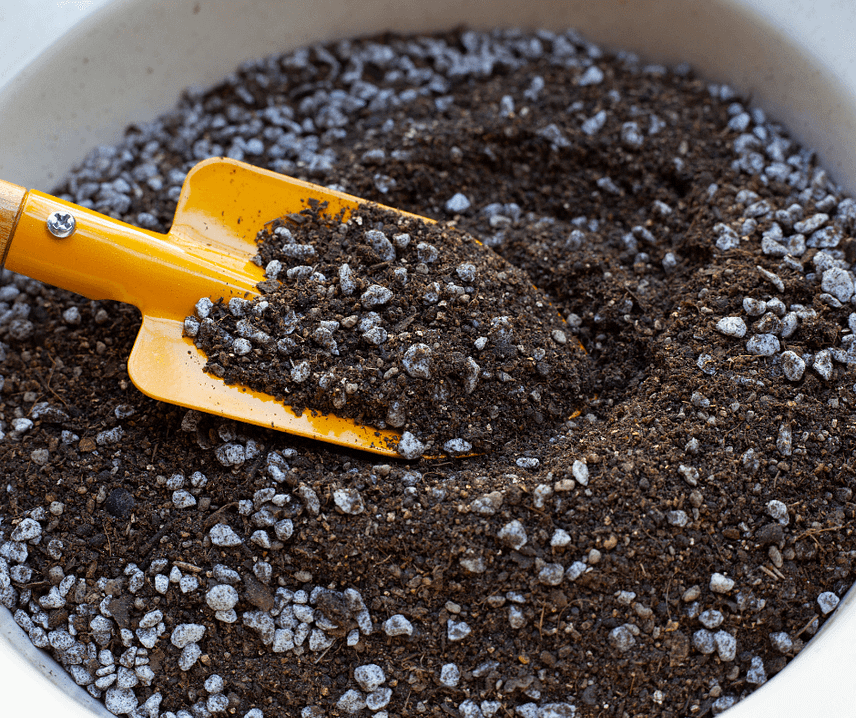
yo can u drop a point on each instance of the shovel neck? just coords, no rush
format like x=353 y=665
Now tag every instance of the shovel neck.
x=102 y=258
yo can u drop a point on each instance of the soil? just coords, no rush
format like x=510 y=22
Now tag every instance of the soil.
x=403 y=357
x=592 y=563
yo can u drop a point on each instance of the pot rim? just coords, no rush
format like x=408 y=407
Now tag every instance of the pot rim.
x=793 y=58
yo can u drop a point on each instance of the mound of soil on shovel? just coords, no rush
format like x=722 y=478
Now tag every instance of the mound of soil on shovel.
x=397 y=323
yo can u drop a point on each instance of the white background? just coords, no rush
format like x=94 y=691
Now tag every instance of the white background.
x=28 y=26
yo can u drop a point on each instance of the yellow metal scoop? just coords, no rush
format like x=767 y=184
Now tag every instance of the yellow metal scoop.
x=223 y=204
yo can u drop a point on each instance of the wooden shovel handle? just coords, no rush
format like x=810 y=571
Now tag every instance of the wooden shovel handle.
x=11 y=204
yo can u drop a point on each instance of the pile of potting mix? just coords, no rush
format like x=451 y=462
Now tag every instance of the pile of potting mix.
x=663 y=553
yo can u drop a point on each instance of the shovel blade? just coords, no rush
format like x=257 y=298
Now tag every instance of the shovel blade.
x=168 y=367
x=222 y=207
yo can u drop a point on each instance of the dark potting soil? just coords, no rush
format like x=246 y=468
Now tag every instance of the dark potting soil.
x=663 y=554
x=401 y=323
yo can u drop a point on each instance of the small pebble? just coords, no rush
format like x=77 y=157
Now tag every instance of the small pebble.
x=427 y=253
x=348 y=501
x=575 y=570
x=457 y=630
x=183 y=500
x=120 y=701
x=410 y=447
x=417 y=361
x=27 y=530
x=222 y=597
x=397 y=625
x=214 y=684
x=513 y=534
x=347 y=284
x=186 y=633
x=473 y=564
x=241 y=347
x=379 y=699
x=827 y=602
x=217 y=703
x=784 y=441
x=580 y=472
x=375 y=296
x=457 y=204
x=763 y=344
x=756 y=674
x=782 y=642
x=732 y=327
x=351 y=702
x=466 y=272
x=516 y=617
x=703 y=641
x=823 y=364
x=592 y=76
x=381 y=245
x=772 y=278
x=754 y=307
x=691 y=594
x=261 y=622
x=720 y=583
x=161 y=583
x=594 y=124
x=677 y=518
x=284 y=529
x=230 y=454
x=726 y=646
x=621 y=638
x=300 y=372
x=711 y=618
x=793 y=366
x=488 y=504
x=839 y=283
x=560 y=538
x=779 y=511
x=690 y=473
x=151 y=619
x=456 y=447
x=223 y=535
x=71 y=316
x=450 y=675
x=369 y=676
x=551 y=574
x=631 y=136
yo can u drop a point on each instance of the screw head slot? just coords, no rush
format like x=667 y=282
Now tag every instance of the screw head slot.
x=61 y=224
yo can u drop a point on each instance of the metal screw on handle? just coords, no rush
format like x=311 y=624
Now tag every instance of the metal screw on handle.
x=61 y=224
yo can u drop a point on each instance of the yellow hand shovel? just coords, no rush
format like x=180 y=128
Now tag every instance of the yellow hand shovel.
x=223 y=204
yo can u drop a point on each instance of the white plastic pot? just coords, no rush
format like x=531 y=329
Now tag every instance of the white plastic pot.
x=129 y=61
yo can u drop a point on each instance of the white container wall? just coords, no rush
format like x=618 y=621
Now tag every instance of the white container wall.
x=129 y=60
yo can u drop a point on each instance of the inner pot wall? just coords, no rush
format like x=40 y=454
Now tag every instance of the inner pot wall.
x=129 y=61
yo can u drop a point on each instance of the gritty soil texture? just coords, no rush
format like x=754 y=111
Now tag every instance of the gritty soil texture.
x=663 y=481
x=387 y=346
